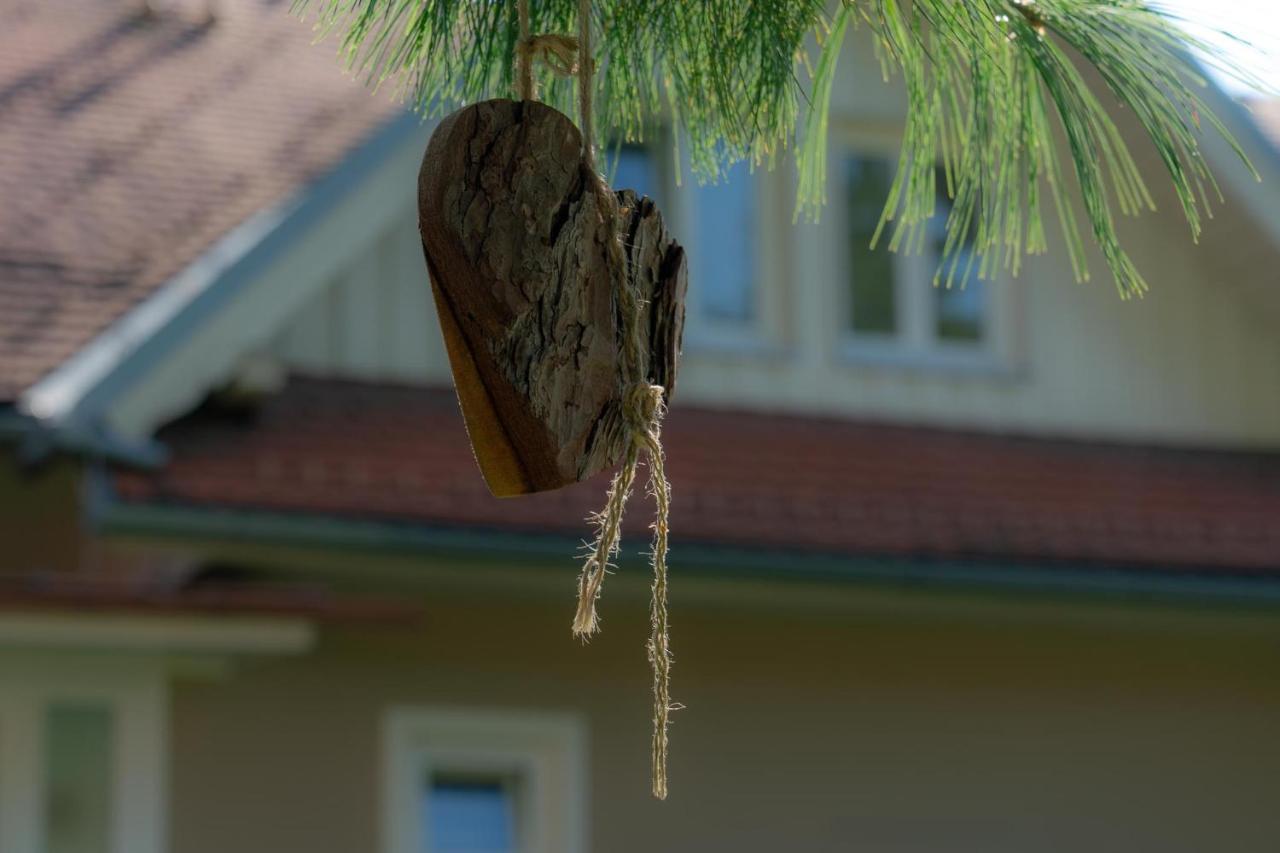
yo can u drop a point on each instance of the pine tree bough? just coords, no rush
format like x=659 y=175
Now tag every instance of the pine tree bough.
x=991 y=85
x=521 y=271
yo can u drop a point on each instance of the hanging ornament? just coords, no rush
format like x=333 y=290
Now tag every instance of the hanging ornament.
x=561 y=304
x=518 y=250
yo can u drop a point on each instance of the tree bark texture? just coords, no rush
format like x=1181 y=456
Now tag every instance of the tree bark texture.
x=517 y=251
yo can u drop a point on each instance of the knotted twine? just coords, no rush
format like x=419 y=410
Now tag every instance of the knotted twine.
x=642 y=403
x=556 y=51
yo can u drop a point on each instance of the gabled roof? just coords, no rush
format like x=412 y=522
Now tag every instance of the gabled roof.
x=341 y=450
x=131 y=141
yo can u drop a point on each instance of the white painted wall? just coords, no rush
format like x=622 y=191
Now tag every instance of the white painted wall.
x=373 y=318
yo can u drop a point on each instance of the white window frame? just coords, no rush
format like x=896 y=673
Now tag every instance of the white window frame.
x=546 y=751
x=916 y=344
x=137 y=698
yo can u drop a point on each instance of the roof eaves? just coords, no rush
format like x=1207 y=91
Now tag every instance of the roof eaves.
x=35 y=442
x=111 y=516
x=79 y=391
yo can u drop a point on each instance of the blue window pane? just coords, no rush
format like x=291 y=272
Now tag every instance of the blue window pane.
x=631 y=167
x=471 y=816
x=723 y=259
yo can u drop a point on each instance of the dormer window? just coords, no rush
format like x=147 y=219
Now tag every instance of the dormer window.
x=893 y=312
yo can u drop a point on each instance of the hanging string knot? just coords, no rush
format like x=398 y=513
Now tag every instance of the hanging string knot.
x=557 y=52
x=644 y=404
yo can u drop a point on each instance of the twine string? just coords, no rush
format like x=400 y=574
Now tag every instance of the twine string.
x=643 y=403
x=557 y=52
x=524 y=54
x=642 y=411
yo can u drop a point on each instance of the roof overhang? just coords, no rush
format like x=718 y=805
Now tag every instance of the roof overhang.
x=502 y=547
x=36 y=440
x=78 y=405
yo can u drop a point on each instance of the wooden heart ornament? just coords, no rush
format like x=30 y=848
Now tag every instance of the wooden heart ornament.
x=518 y=255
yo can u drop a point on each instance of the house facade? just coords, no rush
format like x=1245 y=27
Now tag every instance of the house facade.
x=992 y=569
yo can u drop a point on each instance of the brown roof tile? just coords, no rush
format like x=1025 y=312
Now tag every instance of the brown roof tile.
x=752 y=480
x=129 y=143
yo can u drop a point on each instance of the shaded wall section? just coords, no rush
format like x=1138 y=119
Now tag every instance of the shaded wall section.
x=40 y=525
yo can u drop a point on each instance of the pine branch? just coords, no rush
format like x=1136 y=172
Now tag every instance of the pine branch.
x=993 y=77
x=990 y=84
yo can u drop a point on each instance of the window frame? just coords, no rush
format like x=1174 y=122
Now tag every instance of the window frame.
x=546 y=750
x=137 y=698
x=916 y=344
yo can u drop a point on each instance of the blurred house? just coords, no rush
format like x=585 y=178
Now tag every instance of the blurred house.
x=992 y=569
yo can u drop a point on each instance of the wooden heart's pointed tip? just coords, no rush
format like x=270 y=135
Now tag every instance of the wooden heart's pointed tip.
x=492 y=449
x=502 y=489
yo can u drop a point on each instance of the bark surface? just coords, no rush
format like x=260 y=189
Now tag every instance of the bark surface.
x=520 y=269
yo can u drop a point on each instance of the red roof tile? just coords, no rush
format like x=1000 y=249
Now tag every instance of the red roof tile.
x=786 y=482
x=129 y=143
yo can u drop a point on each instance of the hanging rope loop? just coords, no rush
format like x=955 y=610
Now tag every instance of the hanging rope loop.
x=642 y=402
x=557 y=52
x=643 y=408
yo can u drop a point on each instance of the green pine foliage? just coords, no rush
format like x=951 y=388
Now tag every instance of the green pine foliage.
x=1011 y=96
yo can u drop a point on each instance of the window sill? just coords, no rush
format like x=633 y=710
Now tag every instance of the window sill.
x=982 y=364
x=737 y=346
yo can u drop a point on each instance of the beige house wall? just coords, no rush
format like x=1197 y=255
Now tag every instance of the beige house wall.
x=831 y=719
